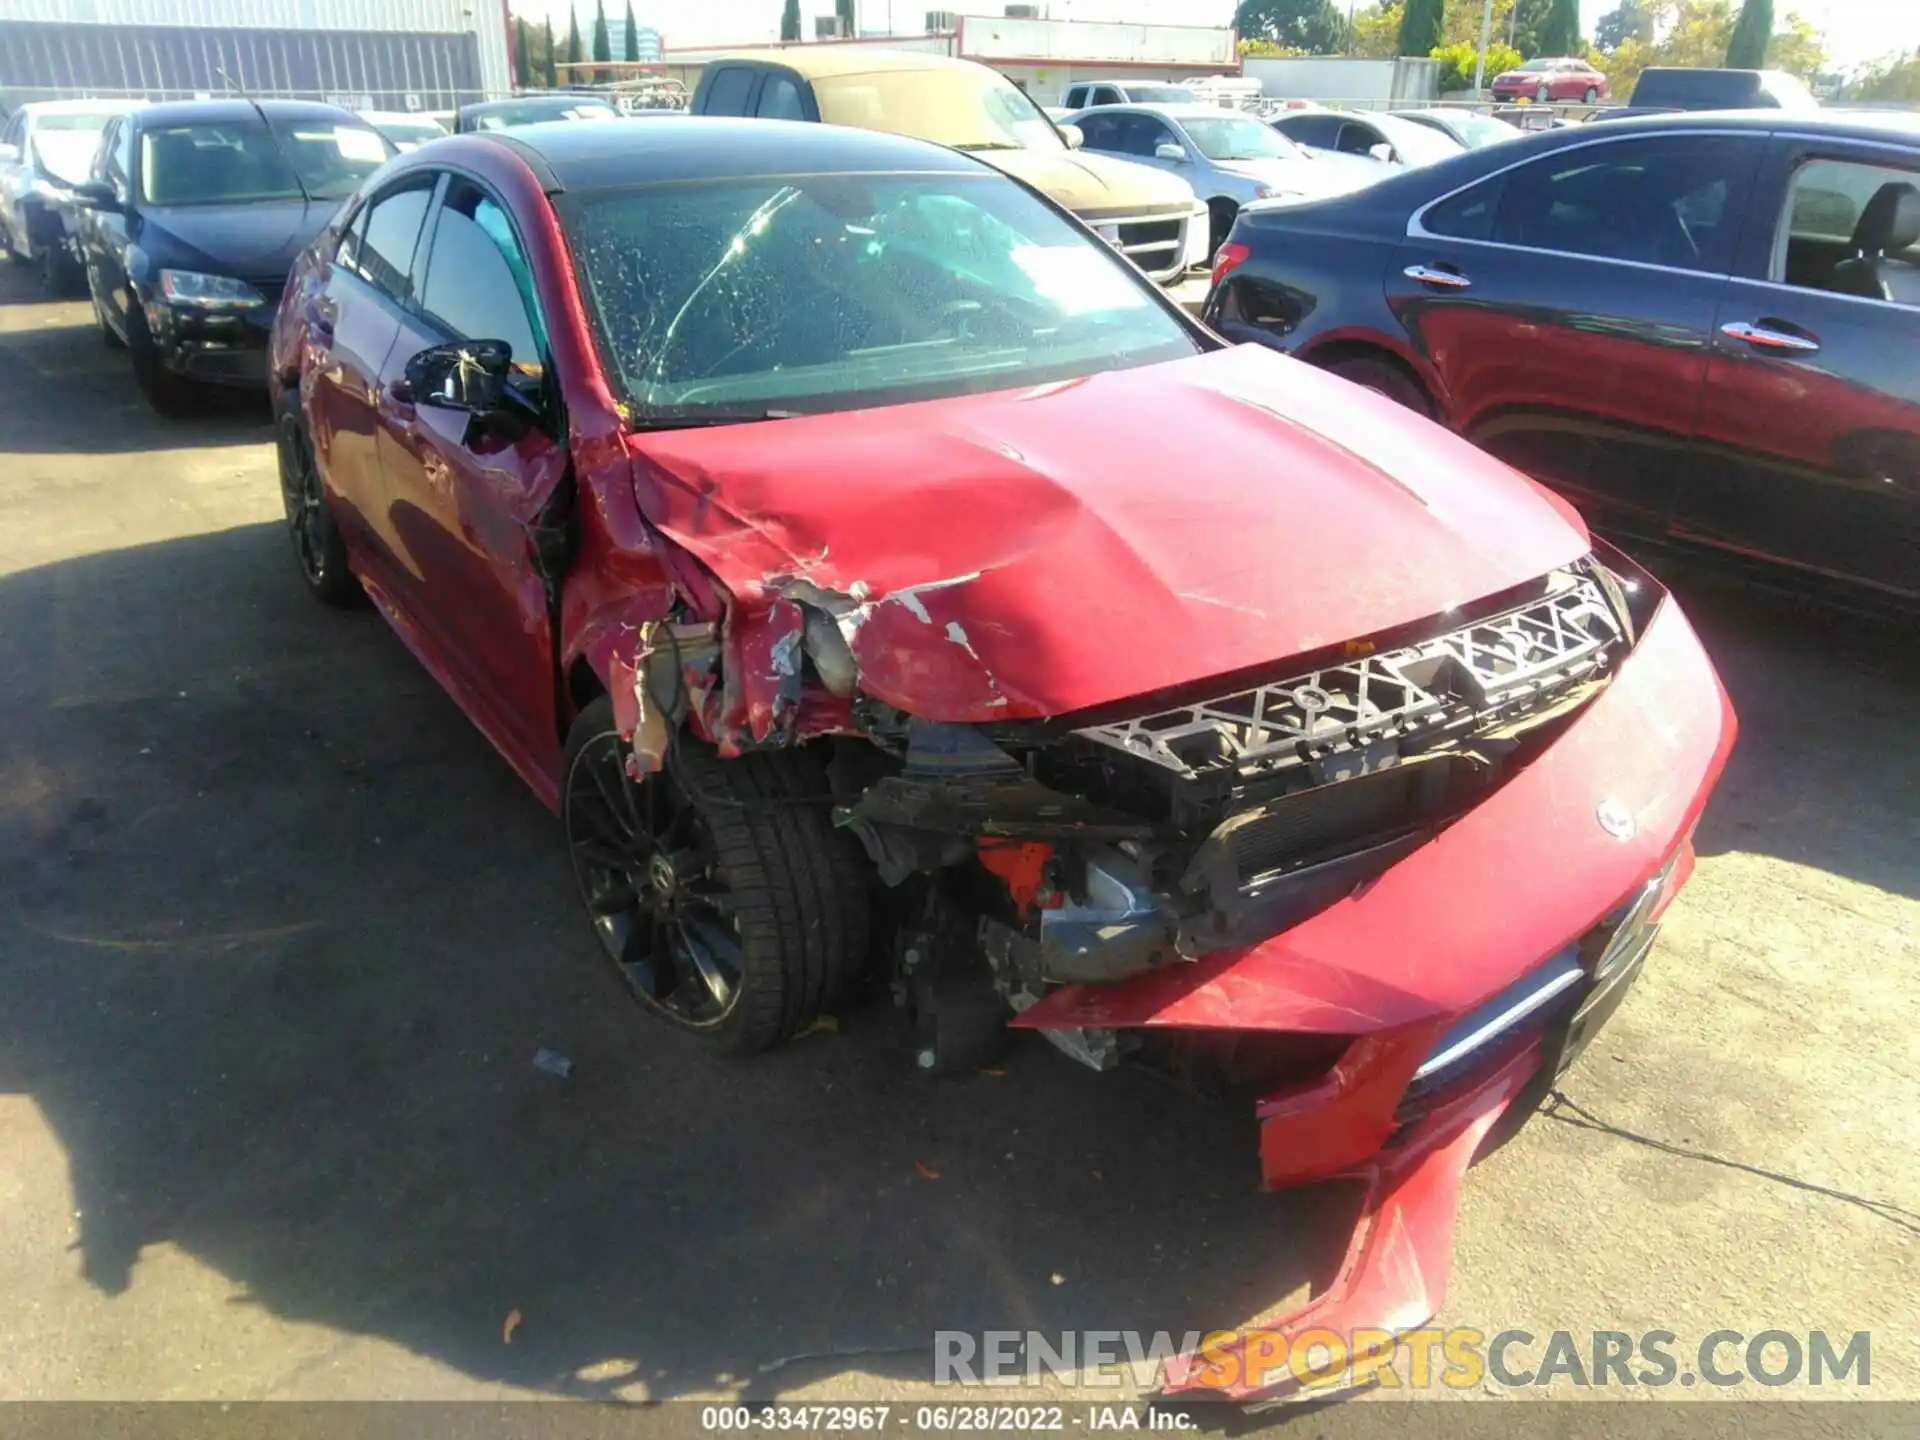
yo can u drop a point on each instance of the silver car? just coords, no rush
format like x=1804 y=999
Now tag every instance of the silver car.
x=1229 y=159
x=1367 y=135
x=46 y=148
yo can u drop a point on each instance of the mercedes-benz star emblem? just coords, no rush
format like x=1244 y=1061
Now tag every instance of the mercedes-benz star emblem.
x=1616 y=820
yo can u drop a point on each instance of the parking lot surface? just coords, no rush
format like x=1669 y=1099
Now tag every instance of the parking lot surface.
x=280 y=936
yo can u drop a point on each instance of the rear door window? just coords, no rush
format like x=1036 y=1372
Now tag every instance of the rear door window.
x=728 y=94
x=780 y=100
x=383 y=248
x=1669 y=201
x=1319 y=130
x=1821 y=229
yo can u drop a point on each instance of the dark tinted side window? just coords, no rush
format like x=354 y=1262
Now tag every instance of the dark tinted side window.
x=1102 y=132
x=780 y=100
x=383 y=253
x=479 y=285
x=727 y=95
x=1356 y=139
x=1105 y=95
x=1321 y=130
x=1667 y=201
x=1468 y=215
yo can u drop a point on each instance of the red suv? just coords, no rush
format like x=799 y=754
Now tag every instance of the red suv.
x=811 y=517
x=1546 y=80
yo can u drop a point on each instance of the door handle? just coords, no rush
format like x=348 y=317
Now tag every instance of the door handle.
x=1764 y=337
x=1428 y=275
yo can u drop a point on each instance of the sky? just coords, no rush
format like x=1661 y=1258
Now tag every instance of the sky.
x=1857 y=31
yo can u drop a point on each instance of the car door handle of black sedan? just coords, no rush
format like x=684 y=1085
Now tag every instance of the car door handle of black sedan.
x=1427 y=275
x=1767 y=338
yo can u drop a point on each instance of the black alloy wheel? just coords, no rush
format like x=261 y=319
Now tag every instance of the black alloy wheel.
x=721 y=890
x=316 y=544
x=648 y=872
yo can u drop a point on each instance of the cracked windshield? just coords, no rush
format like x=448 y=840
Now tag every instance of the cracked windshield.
x=760 y=298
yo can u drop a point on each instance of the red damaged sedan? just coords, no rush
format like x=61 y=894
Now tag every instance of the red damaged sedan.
x=873 y=569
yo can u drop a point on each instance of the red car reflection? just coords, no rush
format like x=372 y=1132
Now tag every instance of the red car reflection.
x=872 y=568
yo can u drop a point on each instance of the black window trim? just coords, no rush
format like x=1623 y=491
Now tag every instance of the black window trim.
x=1416 y=230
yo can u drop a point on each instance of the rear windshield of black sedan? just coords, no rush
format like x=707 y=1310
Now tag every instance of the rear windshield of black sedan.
x=742 y=298
x=234 y=162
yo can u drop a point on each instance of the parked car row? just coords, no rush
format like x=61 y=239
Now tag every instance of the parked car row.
x=1703 y=329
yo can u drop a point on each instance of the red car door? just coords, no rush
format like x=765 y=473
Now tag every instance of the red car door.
x=1566 y=304
x=351 y=325
x=1810 y=433
x=463 y=500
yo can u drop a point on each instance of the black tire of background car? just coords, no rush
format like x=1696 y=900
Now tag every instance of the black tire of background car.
x=109 y=337
x=1592 y=95
x=799 y=884
x=169 y=394
x=6 y=244
x=1221 y=213
x=1543 y=93
x=59 y=275
x=317 y=547
x=1385 y=378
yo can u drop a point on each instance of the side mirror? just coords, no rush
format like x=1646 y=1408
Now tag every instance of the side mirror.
x=468 y=375
x=1167 y=150
x=95 y=195
x=9 y=154
x=1382 y=152
x=1072 y=134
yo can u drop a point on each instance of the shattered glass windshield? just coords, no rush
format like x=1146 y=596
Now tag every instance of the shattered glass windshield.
x=750 y=299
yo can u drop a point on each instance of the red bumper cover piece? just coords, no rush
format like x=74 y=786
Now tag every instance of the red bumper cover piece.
x=1518 y=879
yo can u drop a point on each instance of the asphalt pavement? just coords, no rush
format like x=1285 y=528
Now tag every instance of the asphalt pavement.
x=280 y=936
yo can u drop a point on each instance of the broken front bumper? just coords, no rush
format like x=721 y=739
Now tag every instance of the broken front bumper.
x=1563 y=856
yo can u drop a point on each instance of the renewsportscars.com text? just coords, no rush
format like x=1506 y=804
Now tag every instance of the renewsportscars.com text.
x=1460 y=1358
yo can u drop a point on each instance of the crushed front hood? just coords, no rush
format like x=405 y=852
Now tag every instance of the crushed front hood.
x=1047 y=550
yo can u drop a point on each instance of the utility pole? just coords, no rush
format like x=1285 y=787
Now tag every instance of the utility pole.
x=1480 y=60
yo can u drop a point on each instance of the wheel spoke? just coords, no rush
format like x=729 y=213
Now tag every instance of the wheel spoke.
x=618 y=899
x=704 y=945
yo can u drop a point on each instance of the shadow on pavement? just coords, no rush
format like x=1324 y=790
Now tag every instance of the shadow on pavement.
x=282 y=936
x=1826 y=772
x=59 y=380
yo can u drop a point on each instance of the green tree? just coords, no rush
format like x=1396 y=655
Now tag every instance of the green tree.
x=602 y=42
x=790 y=21
x=1526 y=27
x=1617 y=26
x=843 y=12
x=633 y=34
x=1747 y=46
x=1314 y=26
x=1376 y=32
x=522 y=61
x=551 y=75
x=1457 y=63
x=574 y=52
x=1895 y=78
x=1799 y=49
x=1420 y=26
x=1560 y=34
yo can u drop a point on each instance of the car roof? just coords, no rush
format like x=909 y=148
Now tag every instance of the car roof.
x=397 y=117
x=557 y=100
x=1901 y=125
x=1195 y=111
x=187 y=112
x=590 y=154
x=822 y=61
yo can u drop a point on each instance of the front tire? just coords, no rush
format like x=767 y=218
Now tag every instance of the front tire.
x=59 y=276
x=720 y=889
x=171 y=395
x=317 y=546
x=1221 y=214
x=1543 y=94
x=1592 y=94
